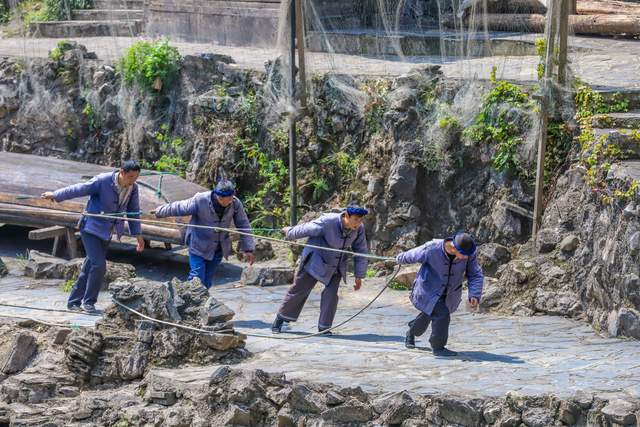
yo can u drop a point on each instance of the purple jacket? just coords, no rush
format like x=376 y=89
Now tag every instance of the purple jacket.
x=103 y=198
x=205 y=242
x=439 y=273
x=327 y=231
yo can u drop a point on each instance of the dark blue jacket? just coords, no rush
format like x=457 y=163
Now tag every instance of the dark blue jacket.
x=103 y=198
x=438 y=273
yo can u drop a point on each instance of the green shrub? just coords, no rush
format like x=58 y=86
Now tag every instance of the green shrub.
x=66 y=286
x=58 y=52
x=493 y=125
x=150 y=65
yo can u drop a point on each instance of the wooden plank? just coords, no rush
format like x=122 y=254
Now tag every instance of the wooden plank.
x=600 y=25
x=57 y=243
x=12 y=214
x=563 y=40
x=606 y=7
x=72 y=243
x=47 y=233
x=517 y=209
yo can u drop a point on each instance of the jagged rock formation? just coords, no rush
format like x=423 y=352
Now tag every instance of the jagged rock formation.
x=45 y=266
x=255 y=398
x=39 y=364
x=584 y=263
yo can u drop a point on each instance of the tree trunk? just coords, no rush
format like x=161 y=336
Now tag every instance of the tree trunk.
x=600 y=7
x=601 y=25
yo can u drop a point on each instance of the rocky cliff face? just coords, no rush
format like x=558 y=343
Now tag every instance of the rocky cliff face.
x=393 y=144
x=585 y=262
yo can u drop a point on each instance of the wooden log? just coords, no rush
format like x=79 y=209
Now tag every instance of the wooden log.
x=47 y=233
x=609 y=7
x=34 y=217
x=601 y=25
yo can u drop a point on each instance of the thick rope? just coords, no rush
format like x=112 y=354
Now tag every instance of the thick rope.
x=220 y=229
x=33 y=319
x=242 y=233
x=54 y=310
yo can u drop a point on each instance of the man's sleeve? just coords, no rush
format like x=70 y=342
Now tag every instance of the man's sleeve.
x=133 y=209
x=88 y=188
x=475 y=278
x=361 y=246
x=417 y=255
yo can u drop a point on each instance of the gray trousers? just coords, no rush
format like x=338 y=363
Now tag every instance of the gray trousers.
x=89 y=283
x=299 y=292
x=439 y=319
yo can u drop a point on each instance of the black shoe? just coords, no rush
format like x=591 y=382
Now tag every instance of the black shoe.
x=89 y=309
x=276 y=326
x=444 y=352
x=410 y=340
x=74 y=307
x=325 y=331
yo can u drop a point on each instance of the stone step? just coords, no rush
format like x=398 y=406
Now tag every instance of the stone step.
x=413 y=43
x=625 y=171
x=107 y=15
x=68 y=29
x=628 y=120
x=626 y=140
x=118 y=4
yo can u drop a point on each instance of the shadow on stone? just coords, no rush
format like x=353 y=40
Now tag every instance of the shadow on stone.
x=483 y=356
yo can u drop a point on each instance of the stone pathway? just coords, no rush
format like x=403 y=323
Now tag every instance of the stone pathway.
x=601 y=62
x=532 y=355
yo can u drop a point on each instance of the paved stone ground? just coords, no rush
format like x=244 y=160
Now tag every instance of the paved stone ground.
x=497 y=354
x=598 y=61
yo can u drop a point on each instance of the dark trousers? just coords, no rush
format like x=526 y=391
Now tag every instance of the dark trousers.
x=89 y=283
x=439 y=319
x=299 y=292
x=204 y=269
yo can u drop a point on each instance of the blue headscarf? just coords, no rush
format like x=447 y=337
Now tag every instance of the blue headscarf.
x=357 y=210
x=462 y=240
x=224 y=188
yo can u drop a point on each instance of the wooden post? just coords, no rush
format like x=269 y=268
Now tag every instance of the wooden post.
x=293 y=179
x=572 y=7
x=563 y=41
x=72 y=243
x=545 y=87
x=300 y=43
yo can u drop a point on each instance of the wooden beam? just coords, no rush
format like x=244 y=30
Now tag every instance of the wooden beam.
x=552 y=23
x=39 y=218
x=72 y=243
x=573 y=7
x=300 y=44
x=599 y=25
x=47 y=233
x=563 y=40
x=517 y=209
x=606 y=7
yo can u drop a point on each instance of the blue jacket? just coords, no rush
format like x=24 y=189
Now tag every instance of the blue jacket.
x=438 y=273
x=103 y=198
x=205 y=242
x=327 y=231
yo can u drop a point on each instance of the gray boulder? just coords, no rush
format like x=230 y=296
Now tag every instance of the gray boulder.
x=3 y=269
x=215 y=311
x=258 y=275
x=19 y=353
x=491 y=256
